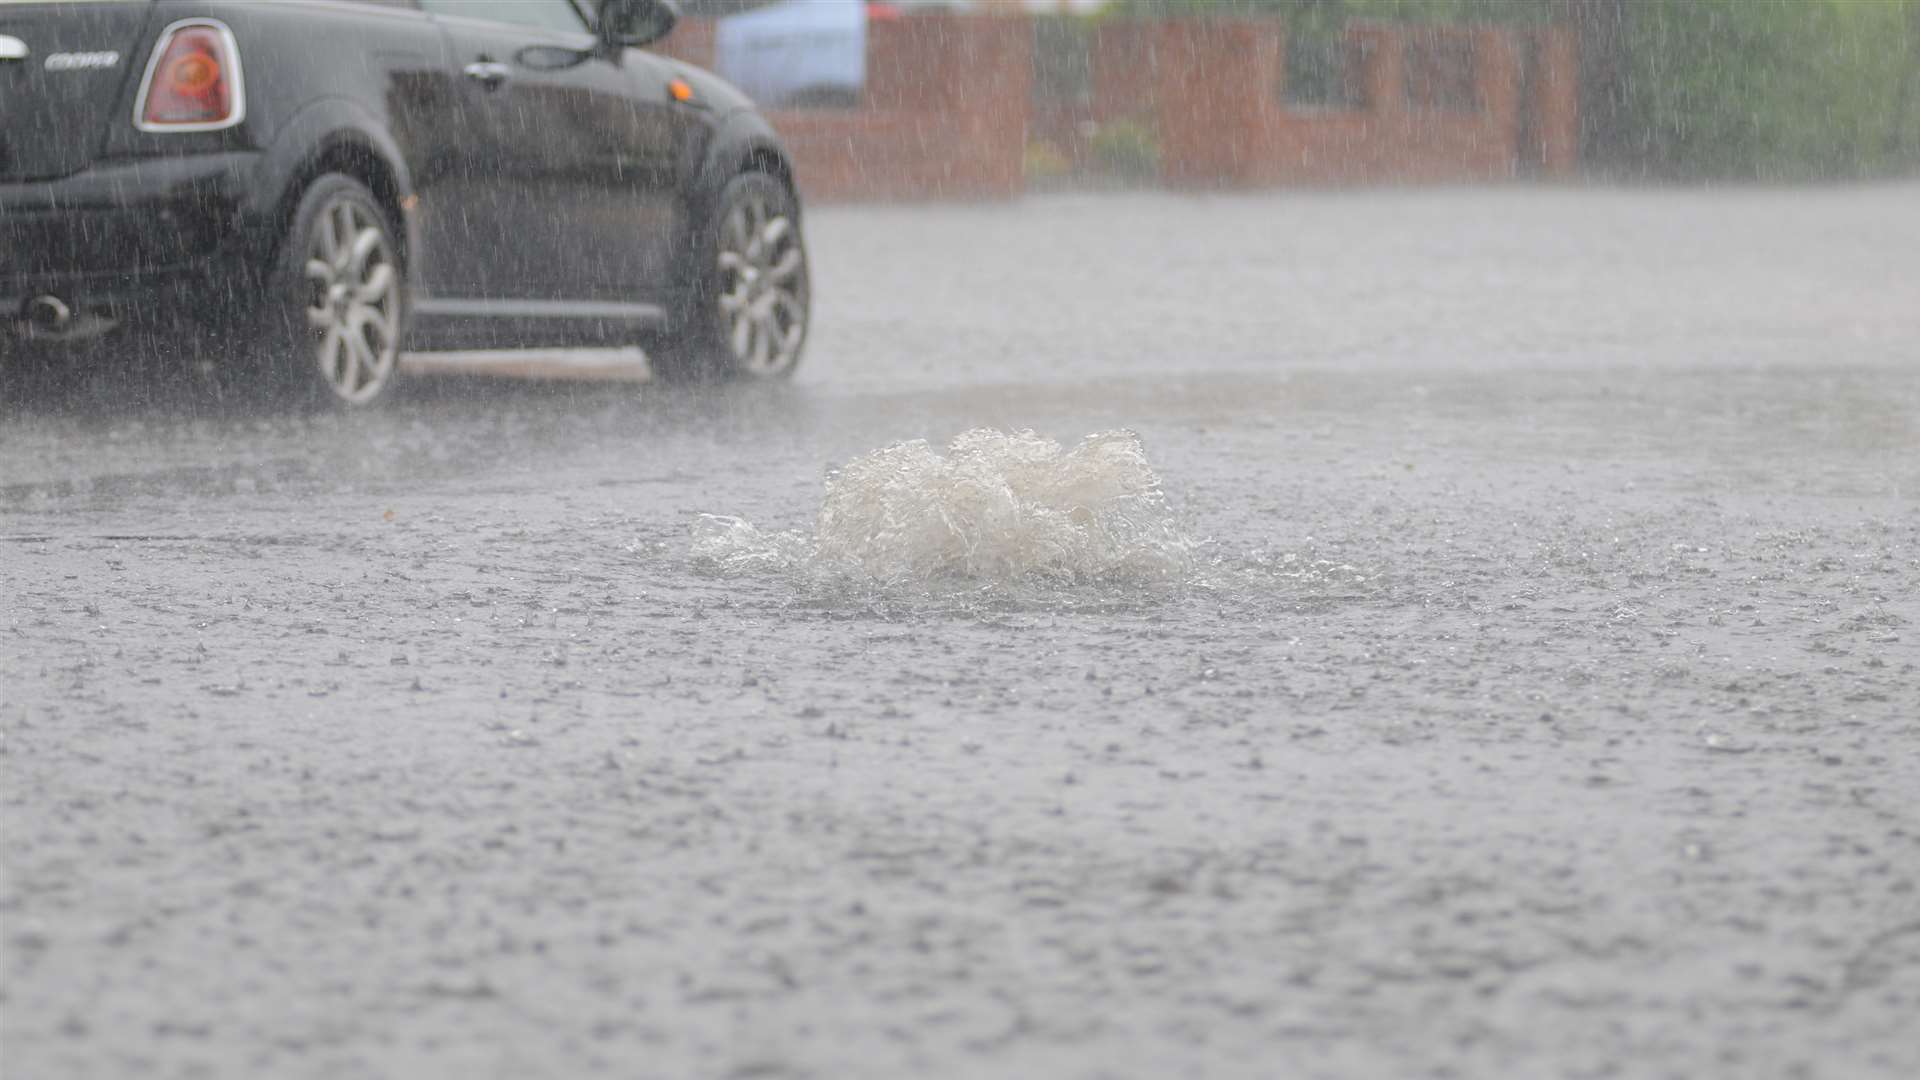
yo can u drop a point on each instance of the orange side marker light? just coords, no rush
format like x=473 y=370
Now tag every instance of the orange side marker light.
x=680 y=90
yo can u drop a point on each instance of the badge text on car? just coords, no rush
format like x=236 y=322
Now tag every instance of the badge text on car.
x=81 y=61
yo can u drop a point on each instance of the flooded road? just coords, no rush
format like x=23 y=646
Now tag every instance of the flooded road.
x=1540 y=695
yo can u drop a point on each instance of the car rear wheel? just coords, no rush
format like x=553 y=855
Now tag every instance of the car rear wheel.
x=338 y=312
x=750 y=305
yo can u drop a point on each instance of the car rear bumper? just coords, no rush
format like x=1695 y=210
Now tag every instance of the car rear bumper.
x=123 y=236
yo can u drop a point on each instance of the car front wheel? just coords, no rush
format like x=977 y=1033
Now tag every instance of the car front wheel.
x=750 y=305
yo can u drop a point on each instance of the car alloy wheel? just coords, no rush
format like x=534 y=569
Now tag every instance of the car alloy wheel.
x=762 y=285
x=353 y=299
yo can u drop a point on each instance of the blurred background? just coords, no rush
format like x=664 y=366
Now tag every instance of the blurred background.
x=877 y=95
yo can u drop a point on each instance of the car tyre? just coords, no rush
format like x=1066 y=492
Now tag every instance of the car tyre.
x=750 y=300
x=336 y=308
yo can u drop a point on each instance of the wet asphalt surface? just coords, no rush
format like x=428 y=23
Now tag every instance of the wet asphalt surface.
x=1545 y=702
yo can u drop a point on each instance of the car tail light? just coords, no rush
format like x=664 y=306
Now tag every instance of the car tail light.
x=882 y=12
x=193 y=80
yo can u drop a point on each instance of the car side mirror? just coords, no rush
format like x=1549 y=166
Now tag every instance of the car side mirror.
x=636 y=22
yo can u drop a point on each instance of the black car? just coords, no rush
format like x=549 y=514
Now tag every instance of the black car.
x=306 y=189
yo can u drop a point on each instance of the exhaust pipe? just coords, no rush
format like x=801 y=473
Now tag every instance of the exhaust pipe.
x=47 y=315
x=49 y=318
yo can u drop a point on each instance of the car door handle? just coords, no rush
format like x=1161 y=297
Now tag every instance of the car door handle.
x=488 y=73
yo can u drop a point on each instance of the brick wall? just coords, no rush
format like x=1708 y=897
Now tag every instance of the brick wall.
x=1433 y=104
x=945 y=114
x=948 y=106
x=1123 y=61
x=1553 y=106
x=691 y=41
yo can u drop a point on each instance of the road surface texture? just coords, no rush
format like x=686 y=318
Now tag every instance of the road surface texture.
x=1542 y=697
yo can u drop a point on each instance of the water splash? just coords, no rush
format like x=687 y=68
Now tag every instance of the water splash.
x=995 y=508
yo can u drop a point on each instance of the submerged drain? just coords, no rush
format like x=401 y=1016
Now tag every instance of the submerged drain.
x=994 y=508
